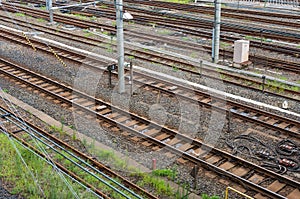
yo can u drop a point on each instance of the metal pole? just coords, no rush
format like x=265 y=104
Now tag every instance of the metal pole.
x=201 y=65
x=131 y=79
x=49 y=8
x=120 y=41
x=216 y=31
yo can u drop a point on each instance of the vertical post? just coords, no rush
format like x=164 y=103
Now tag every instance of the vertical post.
x=109 y=77
x=263 y=83
x=49 y=8
x=120 y=44
x=201 y=63
x=0 y=2
x=131 y=79
x=216 y=31
x=153 y=164
x=229 y=121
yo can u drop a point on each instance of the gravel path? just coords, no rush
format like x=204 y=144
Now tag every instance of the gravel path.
x=4 y=194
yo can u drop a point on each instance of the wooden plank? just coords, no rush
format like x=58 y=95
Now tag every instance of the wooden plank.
x=276 y=186
x=294 y=129
x=206 y=100
x=256 y=178
x=271 y=121
x=185 y=146
x=141 y=127
x=122 y=119
x=152 y=132
x=283 y=125
x=162 y=136
x=147 y=144
x=113 y=115
x=199 y=152
x=294 y=194
x=105 y=111
x=173 y=141
x=131 y=123
x=213 y=159
x=259 y=196
x=240 y=171
x=227 y=165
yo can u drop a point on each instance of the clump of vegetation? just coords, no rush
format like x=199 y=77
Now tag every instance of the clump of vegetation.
x=169 y=173
x=47 y=183
x=205 y=196
x=18 y=14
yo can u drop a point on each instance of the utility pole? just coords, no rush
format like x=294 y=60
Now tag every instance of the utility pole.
x=120 y=45
x=49 y=8
x=216 y=32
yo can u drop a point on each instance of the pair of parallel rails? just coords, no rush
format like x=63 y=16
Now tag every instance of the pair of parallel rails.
x=162 y=138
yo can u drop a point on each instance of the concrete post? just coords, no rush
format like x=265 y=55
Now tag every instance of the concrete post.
x=120 y=45
x=131 y=79
x=49 y=8
x=216 y=31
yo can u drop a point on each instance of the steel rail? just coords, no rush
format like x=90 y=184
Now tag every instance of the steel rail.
x=40 y=134
x=287 y=132
x=174 y=150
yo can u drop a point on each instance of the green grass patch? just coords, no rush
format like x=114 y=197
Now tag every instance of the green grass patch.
x=169 y=173
x=13 y=171
x=43 y=8
x=79 y=16
x=18 y=14
x=179 y=1
x=88 y=34
x=205 y=196
x=5 y=90
x=41 y=20
x=164 y=32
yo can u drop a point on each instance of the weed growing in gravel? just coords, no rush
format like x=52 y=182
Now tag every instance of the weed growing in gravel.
x=164 y=32
x=179 y=1
x=205 y=196
x=185 y=38
x=93 y=18
x=79 y=16
x=175 y=68
x=160 y=185
x=5 y=90
x=43 y=8
x=18 y=14
x=88 y=34
x=41 y=20
x=169 y=173
x=57 y=129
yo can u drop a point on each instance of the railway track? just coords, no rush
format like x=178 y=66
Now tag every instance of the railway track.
x=158 y=137
x=171 y=61
x=109 y=13
x=257 y=59
x=206 y=23
x=68 y=160
x=287 y=126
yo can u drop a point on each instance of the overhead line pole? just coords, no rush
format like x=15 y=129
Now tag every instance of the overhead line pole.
x=216 y=32
x=120 y=45
x=49 y=8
